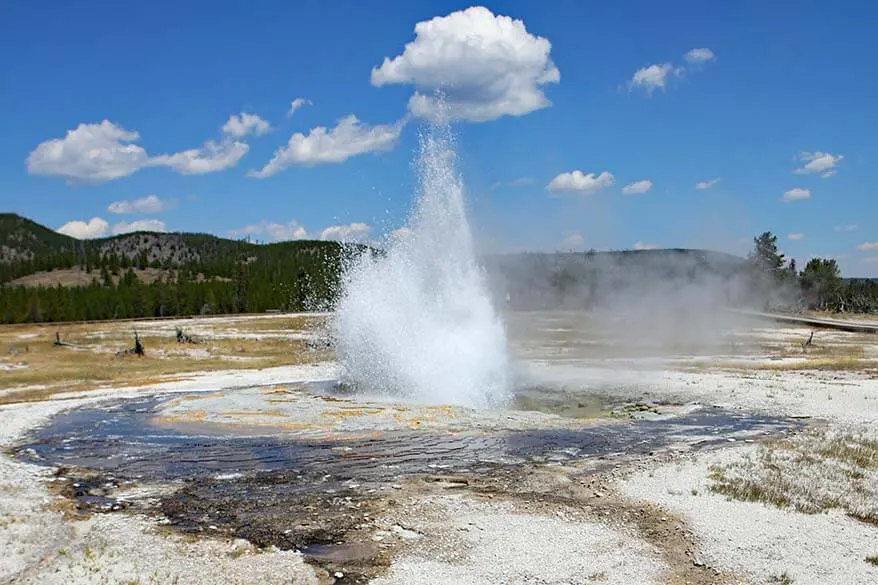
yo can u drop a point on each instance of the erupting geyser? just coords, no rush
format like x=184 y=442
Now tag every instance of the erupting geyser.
x=418 y=322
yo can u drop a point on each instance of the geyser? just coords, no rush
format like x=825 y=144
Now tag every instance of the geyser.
x=417 y=321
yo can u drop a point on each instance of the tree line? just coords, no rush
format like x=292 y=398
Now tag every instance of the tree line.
x=275 y=279
x=229 y=277
x=818 y=286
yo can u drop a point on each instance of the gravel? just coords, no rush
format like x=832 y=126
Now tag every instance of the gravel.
x=490 y=543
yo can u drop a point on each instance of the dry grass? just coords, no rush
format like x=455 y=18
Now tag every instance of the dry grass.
x=79 y=277
x=35 y=369
x=842 y=316
x=816 y=470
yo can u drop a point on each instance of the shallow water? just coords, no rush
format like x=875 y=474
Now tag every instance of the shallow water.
x=120 y=438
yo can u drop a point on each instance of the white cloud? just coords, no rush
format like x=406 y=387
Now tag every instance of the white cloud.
x=795 y=236
x=868 y=246
x=578 y=181
x=148 y=204
x=651 y=78
x=699 y=56
x=400 y=233
x=296 y=104
x=819 y=162
x=276 y=231
x=243 y=124
x=141 y=225
x=350 y=137
x=707 y=184
x=289 y=231
x=94 y=228
x=210 y=158
x=519 y=182
x=354 y=232
x=637 y=187
x=89 y=153
x=642 y=246
x=796 y=194
x=847 y=228
x=97 y=153
x=573 y=241
x=486 y=66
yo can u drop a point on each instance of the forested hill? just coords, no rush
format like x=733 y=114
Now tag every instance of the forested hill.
x=47 y=276
x=147 y=274
x=27 y=247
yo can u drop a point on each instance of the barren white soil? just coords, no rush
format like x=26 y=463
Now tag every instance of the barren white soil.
x=459 y=538
x=757 y=540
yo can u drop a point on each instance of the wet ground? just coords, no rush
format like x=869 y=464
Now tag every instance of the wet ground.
x=314 y=492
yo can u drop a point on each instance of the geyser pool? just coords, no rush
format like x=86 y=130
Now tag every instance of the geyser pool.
x=417 y=321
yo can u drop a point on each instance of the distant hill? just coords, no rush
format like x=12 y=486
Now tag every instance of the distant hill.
x=47 y=276
x=578 y=280
x=27 y=247
x=23 y=239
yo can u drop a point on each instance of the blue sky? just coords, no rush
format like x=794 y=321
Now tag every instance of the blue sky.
x=563 y=116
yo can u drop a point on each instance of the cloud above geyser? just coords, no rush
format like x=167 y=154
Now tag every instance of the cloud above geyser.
x=485 y=65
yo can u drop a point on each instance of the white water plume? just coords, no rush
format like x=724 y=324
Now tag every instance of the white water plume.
x=417 y=321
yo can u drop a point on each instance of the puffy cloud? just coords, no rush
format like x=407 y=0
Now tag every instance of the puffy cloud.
x=651 y=78
x=276 y=231
x=868 y=247
x=288 y=231
x=655 y=76
x=210 y=158
x=81 y=230
x=795 y=236
x=296 y=104
x=637 y=187
x=642 y=246
x=847 y=228
x=354 y=232
x=796 y=194
x=89 y=153
x=400 y=233
x=485 y=65
x=699 y=56
x=706 y=184
x=101 y=152
x=348 y=138
x=573 y=241
x=141 y=225
x=243 y=124
x=580 y=182
x=148 y=204
x=819 y=162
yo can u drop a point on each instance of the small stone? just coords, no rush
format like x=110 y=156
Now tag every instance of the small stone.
x=339 y=575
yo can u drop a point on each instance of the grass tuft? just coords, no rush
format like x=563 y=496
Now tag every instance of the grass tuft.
x=816 y=470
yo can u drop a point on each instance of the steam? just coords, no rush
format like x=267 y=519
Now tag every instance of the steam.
x=640 y=303
x=417 y=321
